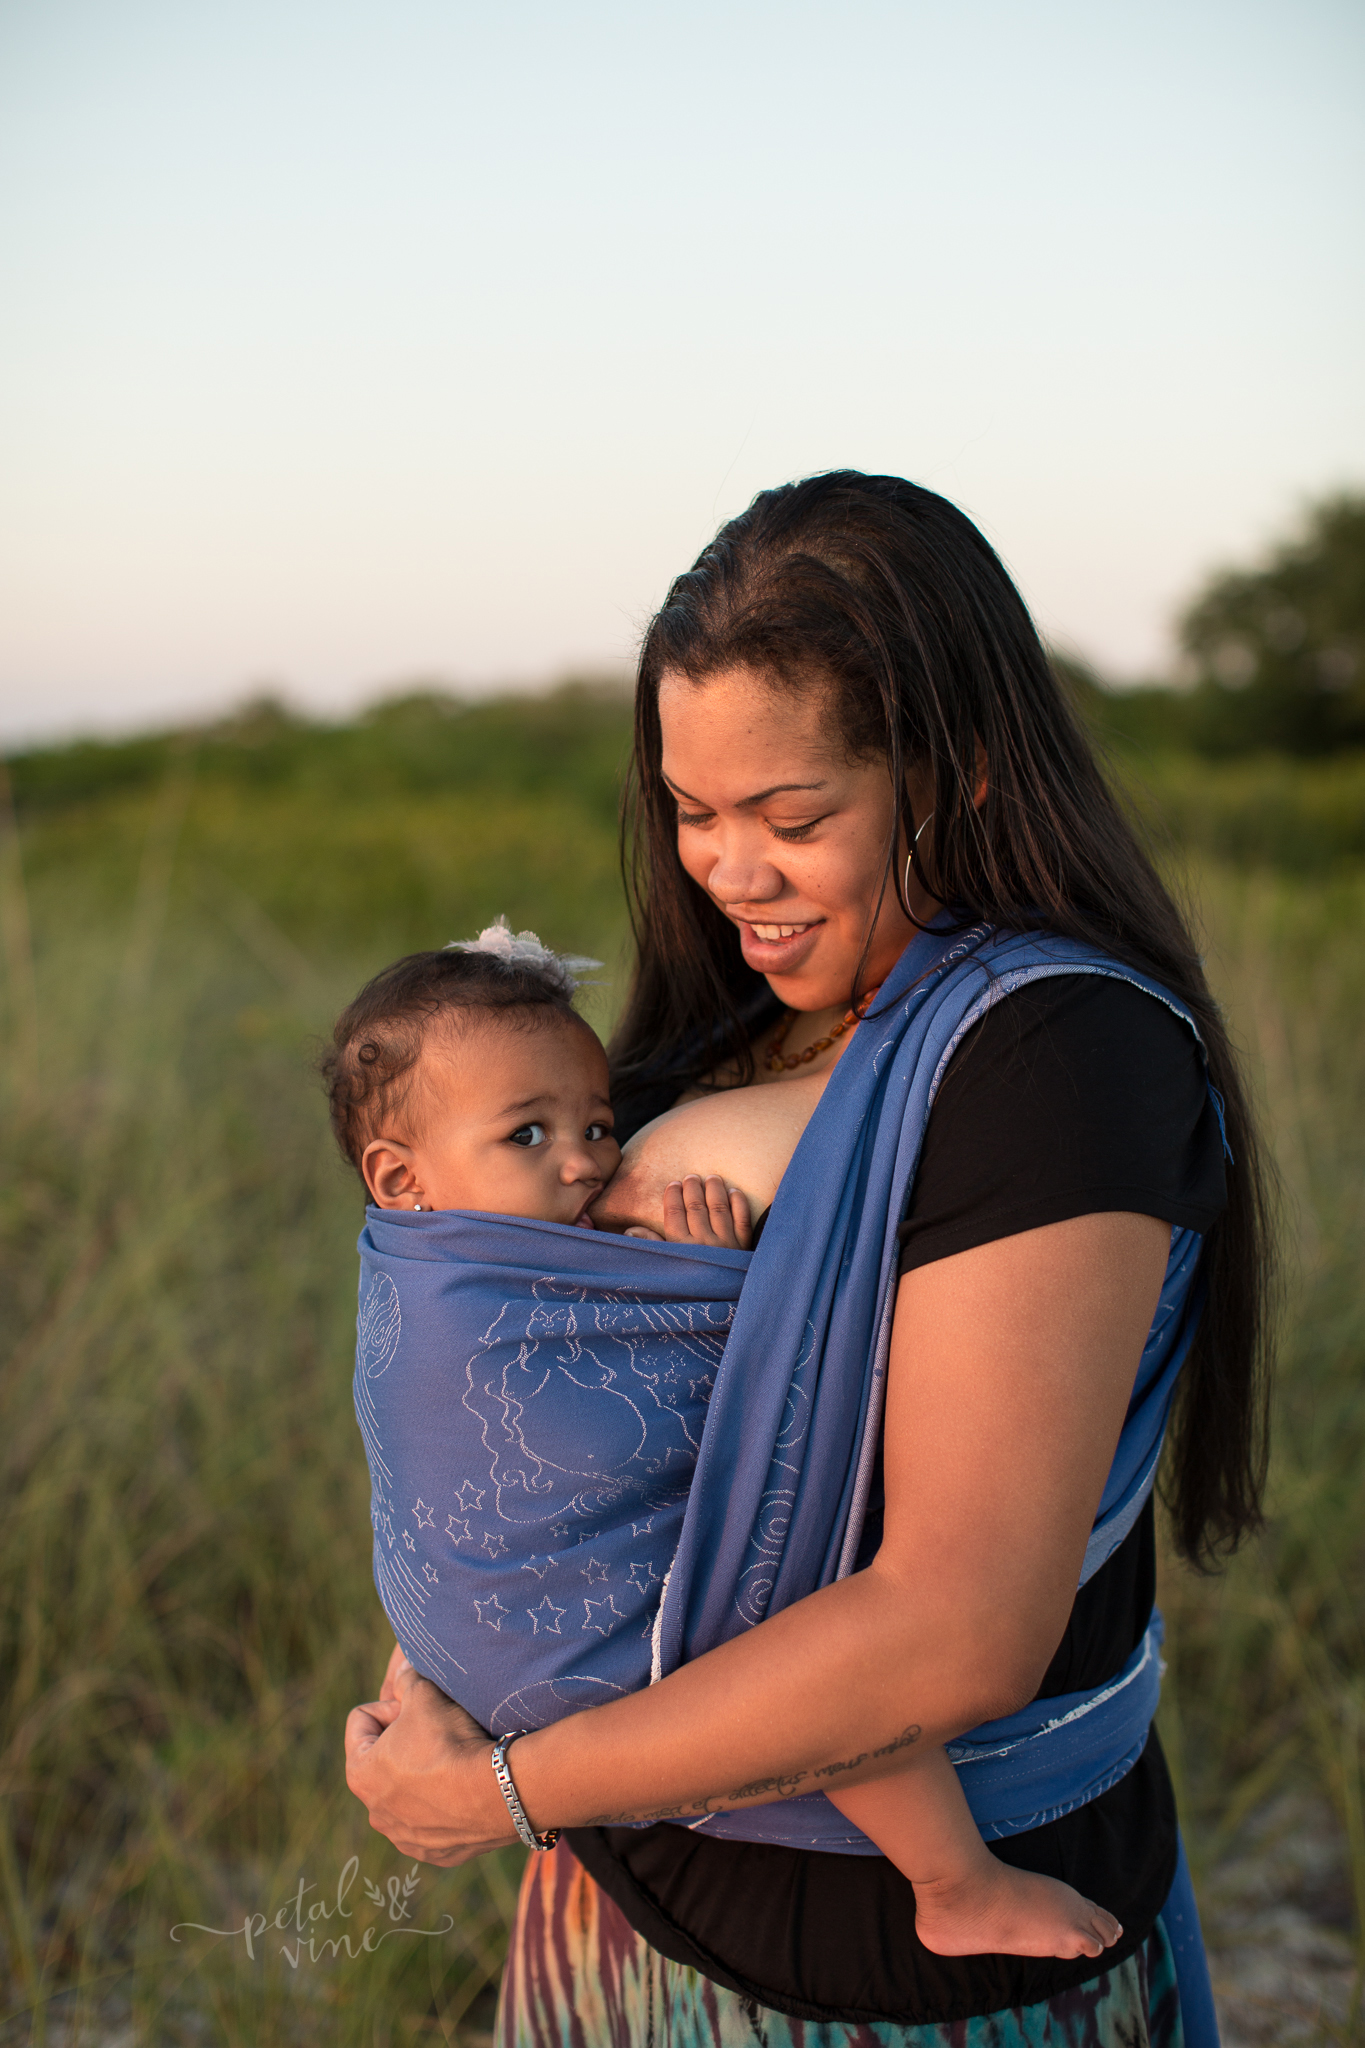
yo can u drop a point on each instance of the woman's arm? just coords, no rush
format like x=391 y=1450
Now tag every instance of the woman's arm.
x=1011 y=1369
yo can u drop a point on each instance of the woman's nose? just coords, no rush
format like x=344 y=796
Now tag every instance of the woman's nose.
x=742 y=873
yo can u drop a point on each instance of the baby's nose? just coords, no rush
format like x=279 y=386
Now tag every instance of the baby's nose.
x=579 y=1165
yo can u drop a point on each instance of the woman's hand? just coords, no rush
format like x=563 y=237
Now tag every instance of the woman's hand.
x=397 y=1662
x=420 y=1764
x=1010 y=1371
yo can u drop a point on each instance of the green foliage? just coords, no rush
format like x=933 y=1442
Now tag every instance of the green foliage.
x=1275 y=654
x=186 y=1612
x=1307 y=817
x=1267 y=1660
x=576 y=738
x=1278 y=651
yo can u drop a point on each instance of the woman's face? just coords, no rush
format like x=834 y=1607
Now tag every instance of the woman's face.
x=785 y=835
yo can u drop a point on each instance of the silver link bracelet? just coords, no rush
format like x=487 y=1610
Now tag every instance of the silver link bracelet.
x=509 y=1792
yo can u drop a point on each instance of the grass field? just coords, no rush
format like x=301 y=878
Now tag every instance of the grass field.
x=186 y=1610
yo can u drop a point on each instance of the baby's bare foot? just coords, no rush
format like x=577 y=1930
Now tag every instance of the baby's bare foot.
x=999 y=1911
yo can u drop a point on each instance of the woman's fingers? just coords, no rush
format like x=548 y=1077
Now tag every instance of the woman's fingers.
x=397 y=1662
x=364 y=1725
x=708 y=1211
x=419 y=1764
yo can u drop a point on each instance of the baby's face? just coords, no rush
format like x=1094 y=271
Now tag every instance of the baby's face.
x=508 y=1117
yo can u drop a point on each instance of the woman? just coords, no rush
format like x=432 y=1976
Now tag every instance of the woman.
x=847 y=732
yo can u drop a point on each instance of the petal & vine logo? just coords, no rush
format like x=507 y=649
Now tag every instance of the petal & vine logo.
x=308 y=1921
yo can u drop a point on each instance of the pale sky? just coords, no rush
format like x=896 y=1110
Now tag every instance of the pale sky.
x=346 y=342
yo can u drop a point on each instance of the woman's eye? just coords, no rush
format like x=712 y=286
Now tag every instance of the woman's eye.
x=695 y=817
x=596 y=1132
x=795 y=831
x=529 y=1134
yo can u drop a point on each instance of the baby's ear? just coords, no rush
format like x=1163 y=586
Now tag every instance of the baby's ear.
x=390 y=1175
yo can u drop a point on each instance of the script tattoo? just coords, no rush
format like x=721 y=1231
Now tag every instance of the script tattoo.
x=626 y=1820
x=851 y=1763
x=783 y=1785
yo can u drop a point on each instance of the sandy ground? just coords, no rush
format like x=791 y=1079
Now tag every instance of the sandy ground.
x=1278 y=1918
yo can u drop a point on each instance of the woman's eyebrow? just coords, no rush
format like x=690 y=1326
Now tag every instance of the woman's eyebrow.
x=760 y=797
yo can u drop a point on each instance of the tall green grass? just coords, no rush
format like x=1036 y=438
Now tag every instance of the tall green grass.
x=1266 y=1686
x=185 y=1600
x=185 y=1597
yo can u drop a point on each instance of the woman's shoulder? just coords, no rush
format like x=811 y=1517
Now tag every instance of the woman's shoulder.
x=1078 y=1023
x=1075 y=1093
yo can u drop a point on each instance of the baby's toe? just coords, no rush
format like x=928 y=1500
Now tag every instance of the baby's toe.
x=1107 y=1928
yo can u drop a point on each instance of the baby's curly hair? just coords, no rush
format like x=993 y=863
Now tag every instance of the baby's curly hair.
x=378 y=1039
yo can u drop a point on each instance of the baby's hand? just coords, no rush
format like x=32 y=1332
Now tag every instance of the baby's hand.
x=706 y=1212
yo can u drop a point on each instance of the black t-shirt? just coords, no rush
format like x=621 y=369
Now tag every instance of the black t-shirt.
x=1074 y=1095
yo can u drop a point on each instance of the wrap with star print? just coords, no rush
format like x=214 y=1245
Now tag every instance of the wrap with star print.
x=585 y=1447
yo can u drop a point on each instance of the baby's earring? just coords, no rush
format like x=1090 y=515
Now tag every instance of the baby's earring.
x=417 y=1208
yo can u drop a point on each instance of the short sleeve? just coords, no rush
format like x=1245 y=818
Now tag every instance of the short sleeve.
x=1075 y=1094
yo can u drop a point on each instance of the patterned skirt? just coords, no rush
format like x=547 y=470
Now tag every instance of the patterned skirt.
x=579 y=1976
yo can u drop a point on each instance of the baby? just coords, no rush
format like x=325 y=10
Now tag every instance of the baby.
x=465 y=1080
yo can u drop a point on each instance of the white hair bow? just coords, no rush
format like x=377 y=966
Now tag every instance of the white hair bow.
x=524 y=949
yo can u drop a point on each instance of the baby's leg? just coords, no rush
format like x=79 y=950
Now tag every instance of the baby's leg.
x=968 y=1903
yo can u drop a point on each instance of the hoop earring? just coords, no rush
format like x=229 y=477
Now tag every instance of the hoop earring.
x=910 y=862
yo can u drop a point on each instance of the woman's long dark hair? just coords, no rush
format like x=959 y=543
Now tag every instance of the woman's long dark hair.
x=887 y=596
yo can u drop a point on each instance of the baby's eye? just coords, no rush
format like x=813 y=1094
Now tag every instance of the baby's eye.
x=529 y=1134
x=596 y=1132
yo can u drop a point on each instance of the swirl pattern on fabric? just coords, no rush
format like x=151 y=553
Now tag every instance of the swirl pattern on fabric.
x=580 y=1442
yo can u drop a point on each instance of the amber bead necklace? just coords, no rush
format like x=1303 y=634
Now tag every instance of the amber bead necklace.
x=778 y=1062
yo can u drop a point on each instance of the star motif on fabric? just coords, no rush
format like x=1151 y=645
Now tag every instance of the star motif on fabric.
x=562 y=1529
x=642 y=1577
x=458 y=1531
x=409 y=1539
x=386 y=1523
x=430 y=1576
x=470 y=1497
x=491 y=1611
x=423 y=1514
x=600 y=1614
x=539 y=1565
x=594 y=1570
x=701 y=1388
x=546 y=1616
x=493 y=1543
x=642 y=1528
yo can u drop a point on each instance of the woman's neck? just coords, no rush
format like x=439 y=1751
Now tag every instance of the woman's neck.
x=803 y=1042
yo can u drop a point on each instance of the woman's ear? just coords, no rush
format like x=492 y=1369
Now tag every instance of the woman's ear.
x=390 y=1175
x=982 y=777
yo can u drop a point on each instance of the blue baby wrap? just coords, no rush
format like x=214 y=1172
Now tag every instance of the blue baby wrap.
x=594 y=1458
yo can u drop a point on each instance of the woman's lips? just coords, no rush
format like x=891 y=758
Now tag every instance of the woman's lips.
x=775 y=945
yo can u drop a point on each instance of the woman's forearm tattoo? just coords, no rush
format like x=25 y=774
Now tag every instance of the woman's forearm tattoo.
x=784 y=1785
